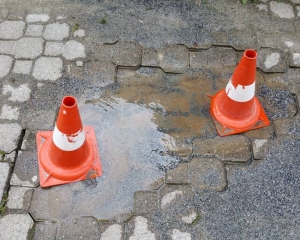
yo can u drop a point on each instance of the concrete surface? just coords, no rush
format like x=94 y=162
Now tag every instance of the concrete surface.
x=140 y=71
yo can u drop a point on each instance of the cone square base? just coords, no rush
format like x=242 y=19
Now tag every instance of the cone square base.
x=224 y=130
x=47 y=179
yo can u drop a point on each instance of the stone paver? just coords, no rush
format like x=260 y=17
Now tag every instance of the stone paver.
x=56 y=31
x=5 y=62
x=19 y=198
x=259 y=148
x=10 y=133
x=178 y=175
x=33 y=18
x=287 y=126
x=53 y=48
x=144 y=202
x=141 y=230
x=79 y=228
x=15 y=226
x=45 y=230
x=22 y=67
x=229 y=149
x=28 y=48
x=47 y=68
x=9 y=113
x=112 y=232
x=17 y=94
x=79 y=33
x=34 y=30
x=4 y=168
x=11 y=29
x=6 y=47
x=283 y=10
x=207 y=173
x=73 y=50
x=272 y=60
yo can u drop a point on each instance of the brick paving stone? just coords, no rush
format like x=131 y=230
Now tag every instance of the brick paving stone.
x=150 y=57
x=4 y=169
x=33 y=18
x=272 y=60
x=19 y=198
x=47 y=68
x=15 y=226
x=26 y=170
x=113 y=231
x=17 y=94
x=141 y=229
x=29 y=48
x=100 y=73
x=127 y=54
x=45 y=230
x=50 y=204
x=10 y=133
x=79 y=33
x=79 y=228
x=283 y=10
x=259 y=148
x=178 y=175
x=22 y=67
x=5 y=63
x=229 y=149
x=53 y=48
x=207 y=173
x=174 y=59
x=287 y=126
x=56 y=31
x=34 y=30
x=11 y=29
x=73 y=50
x=144 y=202
x=6 y=47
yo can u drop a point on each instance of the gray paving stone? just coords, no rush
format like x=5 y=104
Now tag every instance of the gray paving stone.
x=207 y=173
x=75 y=71
x=295 y=60
x=221 y=56
x=10 y=133
x=56 y=31
x=174 y=59
x=19 y=198
x=178 y=175
x=19 y=93
x=123 y=217
x=29 y=48
x=144 y=202
x=25 y=172
x=141 y=229
x=259 y=148
x=3 y=13
x=6 y=47
x=34 y=30
x=199 y=59
x=261 y=133
x=79 y=228
x=4 y=169
x=177 y=234
x=100 y=73
x=47 y=68
x=45 y=230
x=32 y=18
x=114 y=231
x=272 y=60
x=287 y=126
x=11 y=29
x=9 y=113
x=283 y=10
x=73 y=50
x=156 y=184
x=53 y=48
x=229 y=149
x=79 y=33
x=22 y=67
x=150 y=57
x=5 y=62
x=15 y=226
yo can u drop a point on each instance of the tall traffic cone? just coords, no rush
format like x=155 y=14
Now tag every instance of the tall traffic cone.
x=235 y=109
x=69 y=153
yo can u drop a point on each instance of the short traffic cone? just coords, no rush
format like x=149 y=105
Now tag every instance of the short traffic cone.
x=235 y=109
x=69 y=153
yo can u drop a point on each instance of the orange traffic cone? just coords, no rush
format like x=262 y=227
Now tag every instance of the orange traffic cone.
x=235 y=109
x=69 y=153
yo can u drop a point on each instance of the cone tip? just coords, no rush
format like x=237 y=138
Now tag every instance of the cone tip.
x=69 y=101
x=250 y=54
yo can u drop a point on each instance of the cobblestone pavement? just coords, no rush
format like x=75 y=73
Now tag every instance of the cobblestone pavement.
x=141 y=71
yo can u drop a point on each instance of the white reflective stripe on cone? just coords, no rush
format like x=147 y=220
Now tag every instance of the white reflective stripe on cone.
x=240 y=93
x=68 y=142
